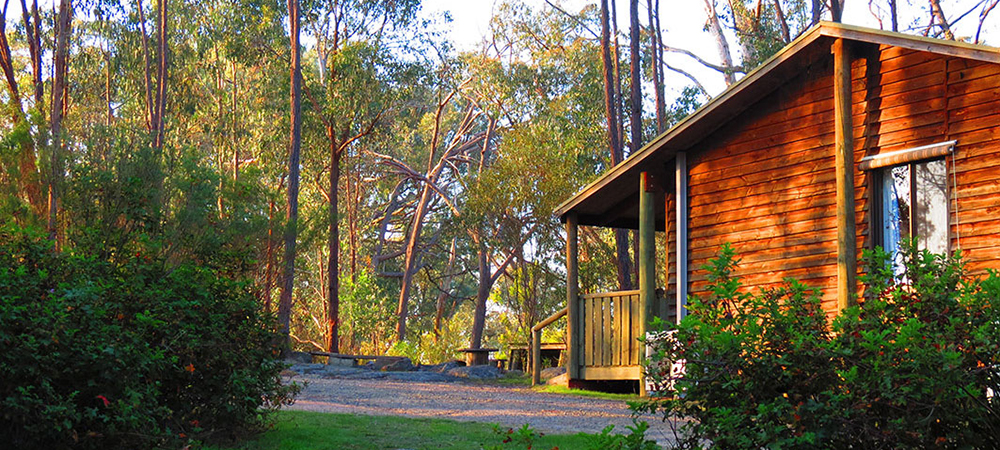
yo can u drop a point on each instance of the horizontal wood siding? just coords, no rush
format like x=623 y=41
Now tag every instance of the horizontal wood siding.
x=765 y=184
x=973 y=119
x=765 y=181
x=911 y=98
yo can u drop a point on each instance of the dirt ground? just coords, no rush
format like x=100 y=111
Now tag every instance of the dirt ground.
x=507 y=406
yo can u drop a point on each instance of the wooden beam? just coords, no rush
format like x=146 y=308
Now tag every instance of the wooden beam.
x=681 y=239
x=572 y=298
x=611 y=373
x=957 y=49
x=847 y=258
x=647 y=257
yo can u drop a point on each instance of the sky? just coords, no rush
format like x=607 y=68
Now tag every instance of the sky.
x=683 y=27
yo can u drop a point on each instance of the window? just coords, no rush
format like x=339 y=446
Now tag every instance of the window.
x=911 y=198
x=915 y=203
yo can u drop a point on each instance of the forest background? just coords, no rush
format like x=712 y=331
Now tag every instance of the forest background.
x=382 y=189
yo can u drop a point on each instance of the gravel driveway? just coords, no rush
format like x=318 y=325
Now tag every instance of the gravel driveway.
x=507 y=406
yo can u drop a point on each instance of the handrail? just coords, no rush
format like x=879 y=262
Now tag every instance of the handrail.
x=610 y=294
x=536 y=344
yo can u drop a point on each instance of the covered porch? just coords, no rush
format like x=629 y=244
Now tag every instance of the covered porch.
x=604 y=329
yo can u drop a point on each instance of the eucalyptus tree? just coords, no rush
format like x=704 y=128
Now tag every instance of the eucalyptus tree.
x=359 y=83
x=539 y=89
x=25 y=131
x=295 y=137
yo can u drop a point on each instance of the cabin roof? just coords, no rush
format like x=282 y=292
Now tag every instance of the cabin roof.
x=612 y=199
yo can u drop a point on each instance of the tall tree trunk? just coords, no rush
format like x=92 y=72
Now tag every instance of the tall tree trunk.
x=837 y=10
x=59 y=92
x=482 y=295
x=412 y=257
x=32 y=28
x=269 y=258
x=656 y=51
x=940 y=18
x=618 y=98
x=353 y=199
x=894 y=15
x=786 y=35
x=411 y=252
x=715 y=29
x=816 y=9
x=292 y=212
x=333 y=247
x=635 y=101
x=611 y=112
x=635 y=111
x=445 y=287
x=161 y=75
x=29 y=179
x=617 y=155
x=148 y=70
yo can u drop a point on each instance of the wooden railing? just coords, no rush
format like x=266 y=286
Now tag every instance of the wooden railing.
x=536 y=344
x=611 y=325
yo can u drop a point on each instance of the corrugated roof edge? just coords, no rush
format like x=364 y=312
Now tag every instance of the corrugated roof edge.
x=827 y=29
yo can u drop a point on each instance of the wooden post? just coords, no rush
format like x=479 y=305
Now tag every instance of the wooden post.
x=647 y=261
x=573 y=347
x=536 y=357
x=681 y=238
x=847 y=258
x=536 y=344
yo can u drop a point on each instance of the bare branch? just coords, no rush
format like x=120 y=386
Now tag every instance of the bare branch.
x=574 y=18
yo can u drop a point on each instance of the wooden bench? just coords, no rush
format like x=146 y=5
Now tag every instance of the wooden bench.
x=352 y=360
x=477 y=356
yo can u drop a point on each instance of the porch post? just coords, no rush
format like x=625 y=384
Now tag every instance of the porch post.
x=573 y=346
x=847 y=240
x=647 y=260
x=681 y=237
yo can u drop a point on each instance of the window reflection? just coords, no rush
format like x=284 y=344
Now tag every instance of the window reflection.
x=915 y=203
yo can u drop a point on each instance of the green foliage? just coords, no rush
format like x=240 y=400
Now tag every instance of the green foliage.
x=522 y=438
x=907 y=368
x=367 y=313
x=634 y=440
x=302 y=430
x=134 y=355
x=428 y=348
x=525 y=438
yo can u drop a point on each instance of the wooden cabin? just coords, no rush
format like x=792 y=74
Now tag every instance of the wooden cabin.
x=846 y=139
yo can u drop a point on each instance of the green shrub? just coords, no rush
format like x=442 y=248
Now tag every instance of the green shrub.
x=526 y=438
x=907 y=368
x=131 y=355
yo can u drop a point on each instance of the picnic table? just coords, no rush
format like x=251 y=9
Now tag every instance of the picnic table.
x=477 y=356
x=352 y=360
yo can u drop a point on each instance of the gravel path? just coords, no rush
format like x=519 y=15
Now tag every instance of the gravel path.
x=507 y=406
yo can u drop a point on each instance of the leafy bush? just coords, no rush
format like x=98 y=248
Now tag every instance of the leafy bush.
x=908 y=368
x=132 y=355
x=526 y=437
x=634 y=440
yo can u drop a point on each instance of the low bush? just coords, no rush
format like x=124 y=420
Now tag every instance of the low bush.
x=912 y=366
x=131 y=355
x=525 y=438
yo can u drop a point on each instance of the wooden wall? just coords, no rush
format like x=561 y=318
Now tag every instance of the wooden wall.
x=765 y=181
x=905 y=98
x=765 y=184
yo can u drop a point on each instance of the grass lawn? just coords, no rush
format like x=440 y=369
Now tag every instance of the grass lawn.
x=525 y=381
x=556 y=389
x=300 y=430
